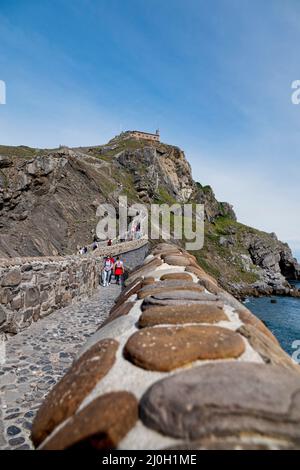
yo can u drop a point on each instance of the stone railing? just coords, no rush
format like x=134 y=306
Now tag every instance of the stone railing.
x=119 y=248
x=32 y=288
x=179 y=364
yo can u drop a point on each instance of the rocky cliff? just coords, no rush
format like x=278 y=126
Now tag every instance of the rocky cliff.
x=49 y=198
x=48 y=203
x=247 y=261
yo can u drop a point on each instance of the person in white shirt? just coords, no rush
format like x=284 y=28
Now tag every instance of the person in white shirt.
x=106 y=271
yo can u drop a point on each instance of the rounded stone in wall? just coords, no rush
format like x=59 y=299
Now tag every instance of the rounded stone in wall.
x=182 y=314
x=12 y=278
x=167 y=348
x=180 y=298
x=100 y=425
x=177 y=260
x=169 y=287
x=148 y=281
x=117 y=312
x=176 y=276
x=221 y=399
x=64 y=399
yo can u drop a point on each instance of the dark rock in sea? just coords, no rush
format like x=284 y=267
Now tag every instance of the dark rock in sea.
x=294 y=293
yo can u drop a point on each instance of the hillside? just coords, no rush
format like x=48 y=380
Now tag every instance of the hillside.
x=49 y=198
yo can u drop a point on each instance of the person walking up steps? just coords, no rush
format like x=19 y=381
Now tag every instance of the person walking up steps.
x=118 y=270
x=112 y=260
x=106 y=271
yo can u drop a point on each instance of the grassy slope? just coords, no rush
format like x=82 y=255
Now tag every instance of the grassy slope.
x=21 y=151
x=224 y=262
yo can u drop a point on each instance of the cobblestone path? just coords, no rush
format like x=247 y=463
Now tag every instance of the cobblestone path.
x=38 y=357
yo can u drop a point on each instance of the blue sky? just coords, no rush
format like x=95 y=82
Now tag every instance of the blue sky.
x=215 y=77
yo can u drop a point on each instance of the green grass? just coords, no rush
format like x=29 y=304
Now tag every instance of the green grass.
x=224 y=262
x=164 y=197
x=21 y=151
x=206 y=188
x=206 y=265
x=121 y=145
x=223 y=223
x=107 y=186
x=105 y=158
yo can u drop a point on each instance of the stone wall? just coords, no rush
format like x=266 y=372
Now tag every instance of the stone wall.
x=135 y=257
x=134 y=251
x=144 y=135
x=32 y=288
x=178 y=364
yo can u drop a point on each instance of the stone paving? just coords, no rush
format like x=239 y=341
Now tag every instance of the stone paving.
x=39 y=356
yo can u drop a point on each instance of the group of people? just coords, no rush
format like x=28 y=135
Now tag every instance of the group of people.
x=112 y=267
x=84 y=250
x=134 y=234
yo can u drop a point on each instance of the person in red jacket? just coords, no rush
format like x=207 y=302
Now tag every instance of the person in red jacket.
x=118 y=270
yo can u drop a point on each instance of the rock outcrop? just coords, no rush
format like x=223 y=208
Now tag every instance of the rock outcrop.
x=263 y=263
x=159 y=167
x=48 y=204
x=155 y=377
x=212 y=207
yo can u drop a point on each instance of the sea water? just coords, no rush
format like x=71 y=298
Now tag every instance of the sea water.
x=282 y=318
